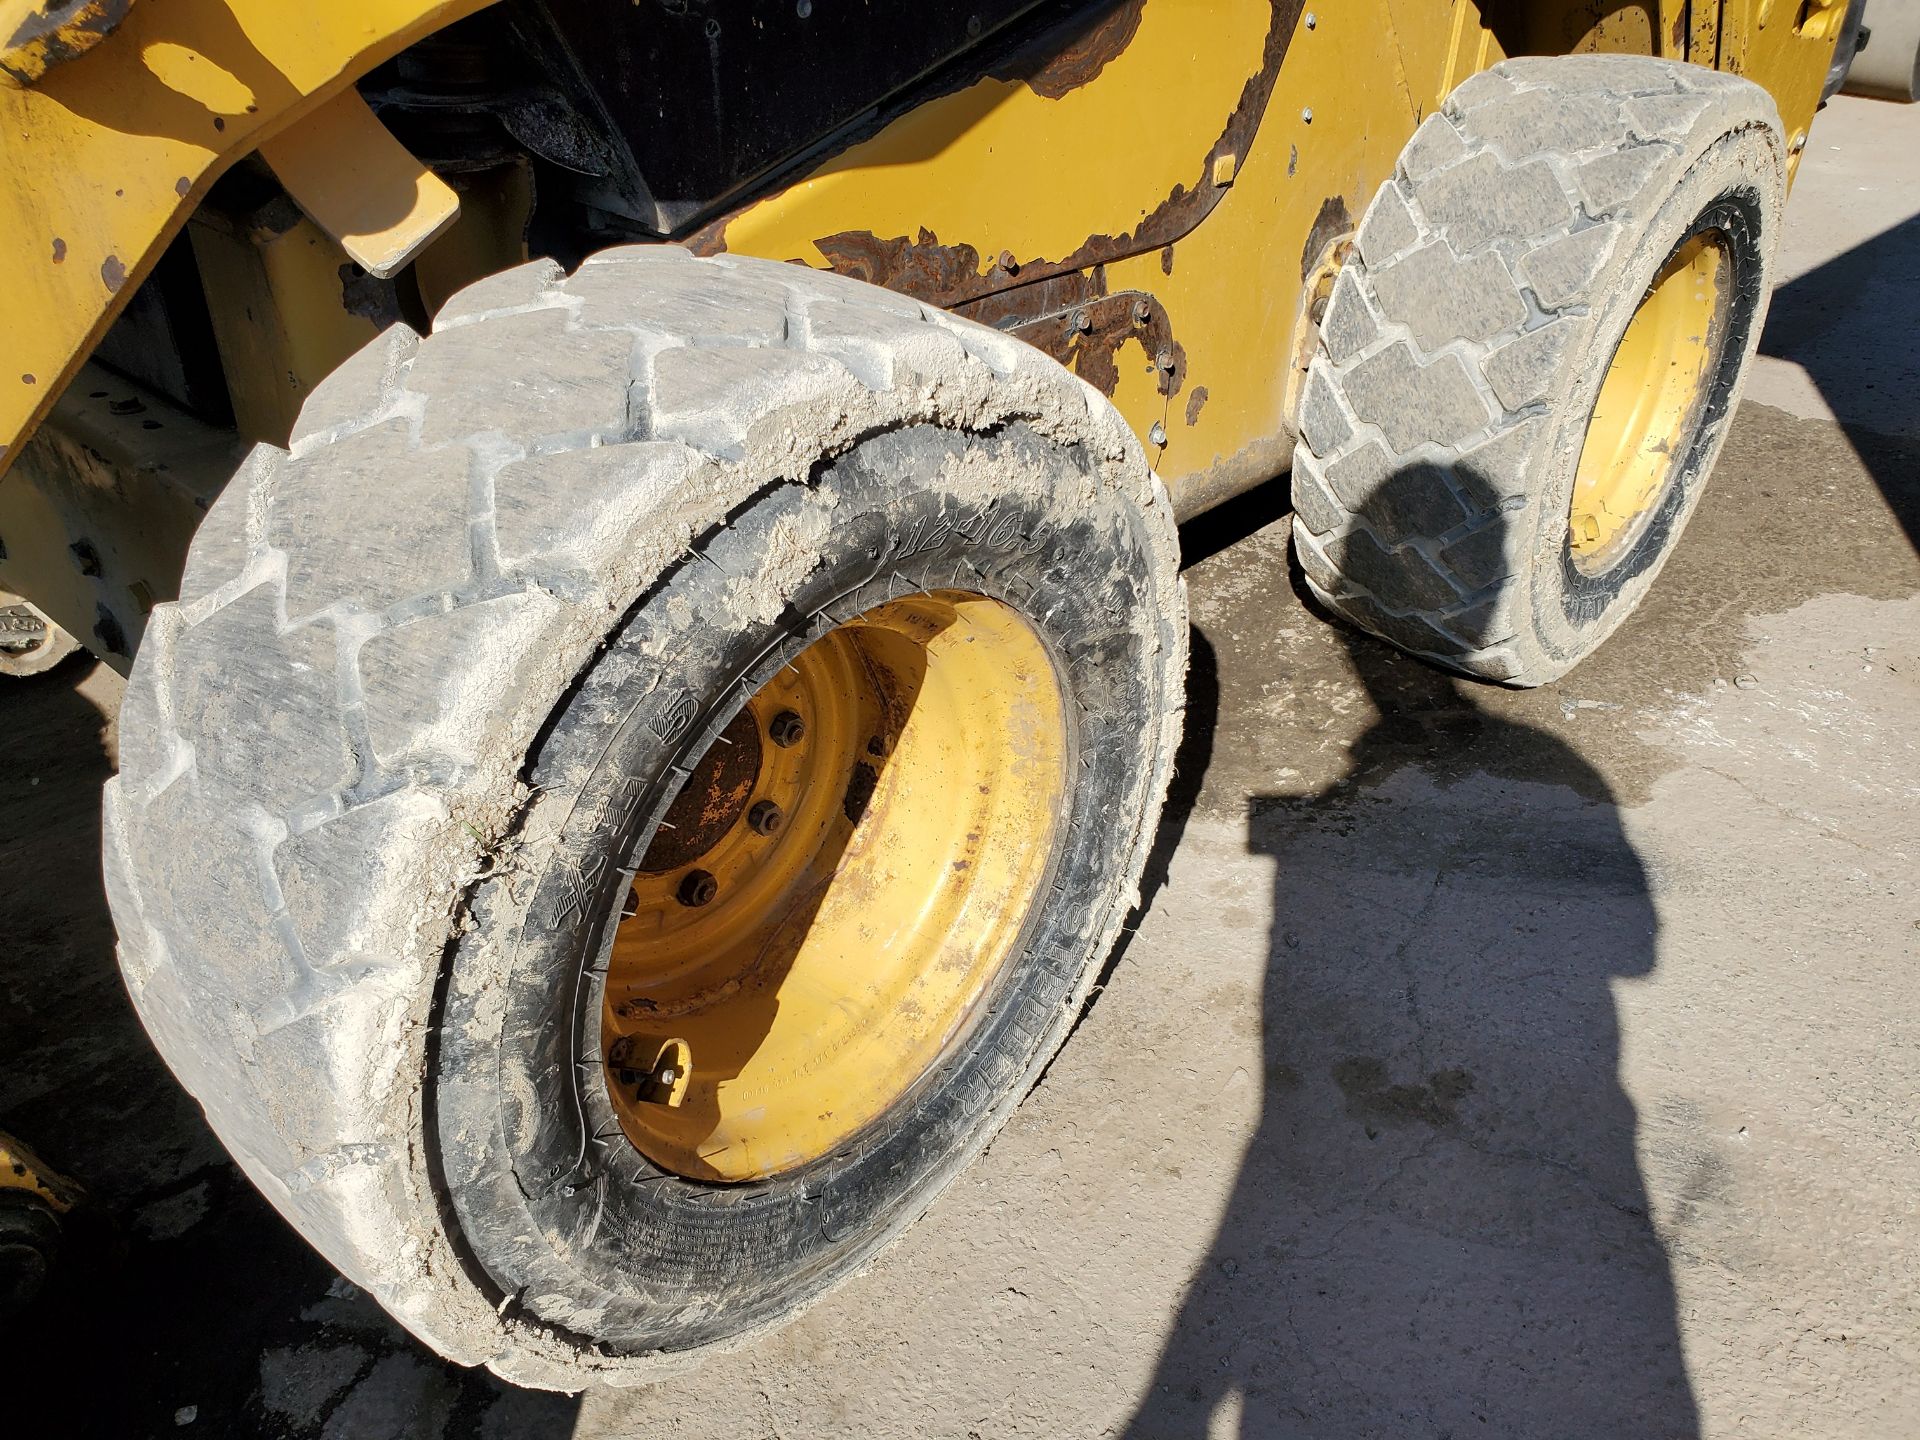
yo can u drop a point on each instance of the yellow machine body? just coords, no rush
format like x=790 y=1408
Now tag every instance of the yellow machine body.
x=1161 y=206
x=109 y=151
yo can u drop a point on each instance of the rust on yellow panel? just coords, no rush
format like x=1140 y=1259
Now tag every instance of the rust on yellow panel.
x=971 y=199
x=1002 y=169
x=1234 y=288
x=360 y=185
x=107 y=153
x=1672 y=30
x=1703 y=37
x=40 y=34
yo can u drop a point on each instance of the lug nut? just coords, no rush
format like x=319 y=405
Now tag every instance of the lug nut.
x=654 y=1085
x=787 y=730
x=765 y=818
x=697 y=888
x=1141 y=312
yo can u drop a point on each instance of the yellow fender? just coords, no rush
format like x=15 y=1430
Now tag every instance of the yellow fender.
x=113 y=138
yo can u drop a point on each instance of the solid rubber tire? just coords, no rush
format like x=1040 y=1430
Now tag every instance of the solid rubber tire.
x=1464 y=344
x=558 y=1207
x=330 y=743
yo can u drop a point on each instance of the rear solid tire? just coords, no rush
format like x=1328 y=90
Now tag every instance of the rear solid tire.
x=363 y=748
x=1465 y=344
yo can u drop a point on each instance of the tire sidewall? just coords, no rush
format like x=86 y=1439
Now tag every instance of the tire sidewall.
x=1734 y=179
x=560 y=1211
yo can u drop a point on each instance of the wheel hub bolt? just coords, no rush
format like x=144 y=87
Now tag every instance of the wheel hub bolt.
x=765 y=818
x=697 y=888
x=787 y=729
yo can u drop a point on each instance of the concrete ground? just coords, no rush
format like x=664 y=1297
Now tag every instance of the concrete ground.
x=1485 y=1063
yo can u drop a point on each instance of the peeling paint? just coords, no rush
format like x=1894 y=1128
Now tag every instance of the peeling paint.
x=935 y=272
x=369 y=297
x=1075 y=320
x=1334 y=222
x=53 y=34
x=1081 y=60
x=943 y=275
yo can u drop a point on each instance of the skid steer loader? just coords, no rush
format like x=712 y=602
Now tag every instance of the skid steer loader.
x=643 y=539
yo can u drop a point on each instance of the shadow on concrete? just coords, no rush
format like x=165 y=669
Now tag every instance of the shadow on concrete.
x=180 y=1293
x=1853 y=324
x=1440 y=1226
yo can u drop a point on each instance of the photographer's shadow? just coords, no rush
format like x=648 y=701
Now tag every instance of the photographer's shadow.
x=1439 y=1227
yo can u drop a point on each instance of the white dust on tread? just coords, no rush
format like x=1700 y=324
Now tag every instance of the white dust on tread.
x=374 y=1210
x=1008 y=382
x=794 y=546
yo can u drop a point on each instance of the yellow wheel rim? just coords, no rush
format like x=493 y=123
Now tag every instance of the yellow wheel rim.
x=1649 y=406
x=836 y=889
